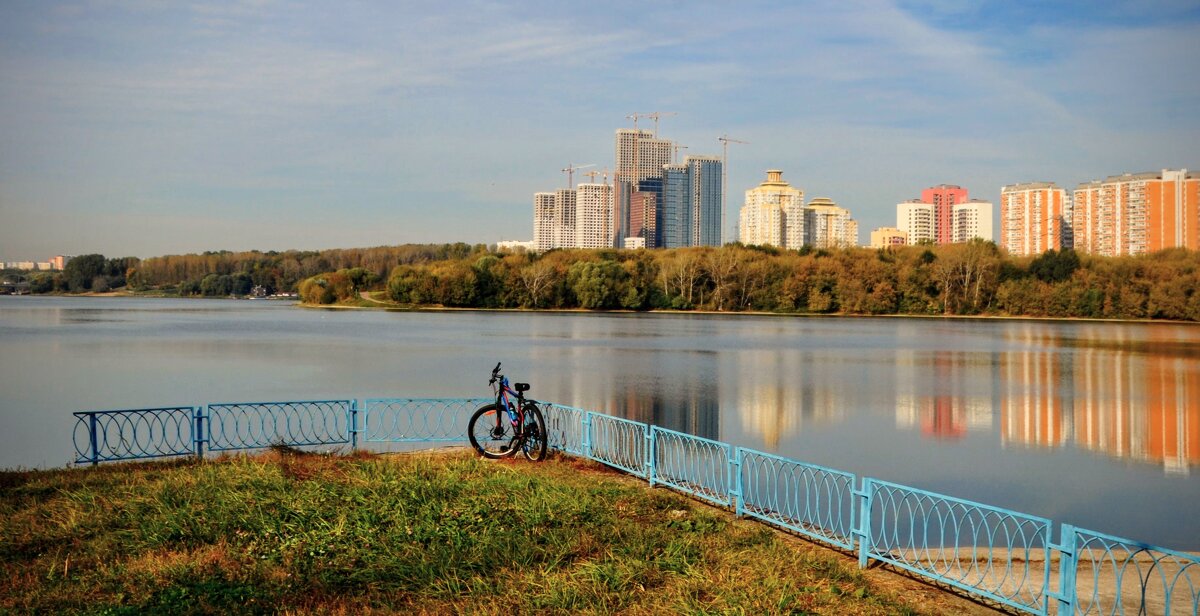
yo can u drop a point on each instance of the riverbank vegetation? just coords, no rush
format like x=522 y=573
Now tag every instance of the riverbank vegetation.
x=960 y=279
x=446 y=533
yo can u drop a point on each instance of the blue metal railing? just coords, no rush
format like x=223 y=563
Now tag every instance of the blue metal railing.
x=102 y=436
x=997 y=554
x=255 y=425
x=697 y=466
x=993 y=552
x=617 y=442
x=1112 y=575
x=811 y=500
x=417 y=420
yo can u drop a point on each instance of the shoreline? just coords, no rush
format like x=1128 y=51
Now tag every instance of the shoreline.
x=393 y=307
x=388 y=306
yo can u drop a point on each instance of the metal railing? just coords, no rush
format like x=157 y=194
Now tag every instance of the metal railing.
x=255 y=425
x=417 y=420
x=102 y=436
x=990 y=552
x=804 y=498
x=697 y=466
x=1113 y=575
x=993 y=552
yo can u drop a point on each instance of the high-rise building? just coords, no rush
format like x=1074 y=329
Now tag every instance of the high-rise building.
x=643 y=217
x=691 y=202
x=1137 y=213
x=564 y=218
x=773 y=214
x=916 y=219
x=1032 y=217
x=676 y=207
x=640 y=155
x=944 y=197
x=887 y=237
x=593 y=216
x=706 y=177
x=828 y=226
x=972 y=219
x=544 y=223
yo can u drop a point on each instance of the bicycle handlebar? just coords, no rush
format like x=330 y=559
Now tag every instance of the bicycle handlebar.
x=495 y=374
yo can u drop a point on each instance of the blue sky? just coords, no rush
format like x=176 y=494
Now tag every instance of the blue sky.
x=138 y=127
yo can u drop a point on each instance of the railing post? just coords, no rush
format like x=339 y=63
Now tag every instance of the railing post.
x=651 y=441
x=1068 y=564
x=199 y=439
x=586 y=438
x=352 y=425
x=92 y=436
x=735 y=492
x=862 y=527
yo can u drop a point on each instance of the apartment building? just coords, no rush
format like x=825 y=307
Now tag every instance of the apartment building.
x=1135 y=213
x=1032 y=217
x=773 y=214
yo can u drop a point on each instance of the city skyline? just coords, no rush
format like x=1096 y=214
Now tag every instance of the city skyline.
x=136 y=128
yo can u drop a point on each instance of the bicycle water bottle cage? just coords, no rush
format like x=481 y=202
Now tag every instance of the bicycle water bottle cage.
x=522 y=386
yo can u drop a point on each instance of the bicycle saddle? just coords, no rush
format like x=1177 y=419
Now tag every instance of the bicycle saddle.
x=521 y=386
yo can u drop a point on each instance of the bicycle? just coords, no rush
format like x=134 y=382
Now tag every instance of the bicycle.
x=498 y=430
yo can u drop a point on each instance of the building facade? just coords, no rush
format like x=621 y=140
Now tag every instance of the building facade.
x=828 y=226
x=1032 y=218
x=564 y=218
x=544 y=222
x=888 y=237
x=773 y=214
x=706 y=177
x=593 y=216
x=643 y=218
x=944 y=197
x=691 y=203
x=972 y=220
x=916 y=220
x=1133 y=214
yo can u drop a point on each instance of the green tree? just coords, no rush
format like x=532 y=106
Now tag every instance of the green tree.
x=596 y=283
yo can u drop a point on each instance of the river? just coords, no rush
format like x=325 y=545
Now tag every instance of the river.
x=1091 y=423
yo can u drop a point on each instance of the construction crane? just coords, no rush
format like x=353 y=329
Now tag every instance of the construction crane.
x=675 y=147
x=659 y=114
x=634 y=116
x=570 y=171
x=592 y=176
x=725 y=141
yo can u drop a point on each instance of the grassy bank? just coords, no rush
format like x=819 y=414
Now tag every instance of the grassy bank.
x=439 y=534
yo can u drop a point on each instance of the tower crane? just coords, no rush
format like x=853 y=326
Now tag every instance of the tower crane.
x=592 y=176
x=675 y=147
x=659 y=114
x=725 y=141
x=570 y=171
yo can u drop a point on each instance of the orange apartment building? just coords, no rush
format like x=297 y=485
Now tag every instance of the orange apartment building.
x=1032 y=218
x=1136 y=213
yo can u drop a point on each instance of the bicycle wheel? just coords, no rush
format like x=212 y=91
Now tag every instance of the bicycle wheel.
x=533 y=443
x=489 y=439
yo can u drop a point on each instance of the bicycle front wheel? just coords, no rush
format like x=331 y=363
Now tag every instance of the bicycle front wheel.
x=533 y=434
x=491 y=433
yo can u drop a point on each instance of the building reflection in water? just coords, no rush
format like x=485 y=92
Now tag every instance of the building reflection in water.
x=957 y=404
x=1104 y=393
x=778 y=390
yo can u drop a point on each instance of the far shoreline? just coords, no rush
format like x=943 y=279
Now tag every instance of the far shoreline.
x=388 y=306
x=392 y=307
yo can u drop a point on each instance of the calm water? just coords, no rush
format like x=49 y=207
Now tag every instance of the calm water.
x=1096 y=424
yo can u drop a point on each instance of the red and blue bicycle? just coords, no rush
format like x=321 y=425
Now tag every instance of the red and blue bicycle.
x=512 y=423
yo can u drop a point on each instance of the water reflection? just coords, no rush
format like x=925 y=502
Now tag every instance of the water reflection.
x=1110 y=397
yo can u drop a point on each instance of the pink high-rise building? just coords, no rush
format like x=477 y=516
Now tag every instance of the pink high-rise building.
x=944 y=197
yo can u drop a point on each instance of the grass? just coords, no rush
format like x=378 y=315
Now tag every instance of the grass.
x=305 y=533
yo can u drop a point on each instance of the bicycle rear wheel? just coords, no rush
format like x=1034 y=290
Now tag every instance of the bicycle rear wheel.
x=489 y=438
x=534 y=441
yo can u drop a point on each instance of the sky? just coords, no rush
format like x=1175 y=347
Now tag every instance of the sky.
x=143 y=128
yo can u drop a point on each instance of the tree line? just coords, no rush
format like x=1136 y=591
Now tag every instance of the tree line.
x=960 y=279
x=976 y=278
